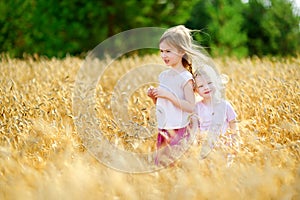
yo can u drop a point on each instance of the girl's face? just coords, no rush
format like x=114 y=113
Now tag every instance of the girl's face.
x=170 y=55
x=204 y=86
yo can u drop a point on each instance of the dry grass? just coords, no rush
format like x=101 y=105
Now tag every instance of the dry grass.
x=42 y=157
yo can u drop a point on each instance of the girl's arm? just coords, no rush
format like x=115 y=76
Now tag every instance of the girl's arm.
x=187 y=104
x=233 y=127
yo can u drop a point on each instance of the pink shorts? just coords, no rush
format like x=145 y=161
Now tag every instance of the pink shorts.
x=171 y=138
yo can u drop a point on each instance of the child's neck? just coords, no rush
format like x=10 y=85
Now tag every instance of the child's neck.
x=179 y=68
x=207 y=101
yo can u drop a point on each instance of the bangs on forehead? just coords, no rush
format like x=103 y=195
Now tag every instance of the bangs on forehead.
x=203 y=77
x=169 y=41
x=201 y=74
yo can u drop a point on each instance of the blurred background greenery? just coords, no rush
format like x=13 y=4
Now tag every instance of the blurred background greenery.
x=239 y=28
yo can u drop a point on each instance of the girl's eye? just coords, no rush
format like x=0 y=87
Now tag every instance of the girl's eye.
x=200 y=86
x=210 y=82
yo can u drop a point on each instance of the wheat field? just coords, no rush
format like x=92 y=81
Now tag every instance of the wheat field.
x=43 y=157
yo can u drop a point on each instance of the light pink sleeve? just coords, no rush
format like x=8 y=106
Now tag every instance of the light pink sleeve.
x=230 y=113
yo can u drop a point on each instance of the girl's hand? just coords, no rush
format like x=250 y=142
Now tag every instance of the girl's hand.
x=150 y=93
x=162 y=93
x=154 y=93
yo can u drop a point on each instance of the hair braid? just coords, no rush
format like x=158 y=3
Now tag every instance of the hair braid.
x=186 y=64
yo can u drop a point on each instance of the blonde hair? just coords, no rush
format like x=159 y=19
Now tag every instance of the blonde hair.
x=181 y=38
x=219 y=80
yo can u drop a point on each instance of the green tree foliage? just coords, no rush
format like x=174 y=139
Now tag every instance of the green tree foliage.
x=124 y=15
x=230 y=27
x=224 y=24
x=259 y=27
x=273 y=28
x=226 y=28
x=51 y=28
x=54 y=28
x=12 y=26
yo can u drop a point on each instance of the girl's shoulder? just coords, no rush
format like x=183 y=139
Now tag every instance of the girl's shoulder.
x=165 y=72
x=226 y=102
x=223 y=102
x=186 y=76
x=172 y=73
x=186 y=73
x=228 y=105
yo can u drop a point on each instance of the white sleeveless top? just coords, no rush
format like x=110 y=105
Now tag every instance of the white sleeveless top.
x=167 y=114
